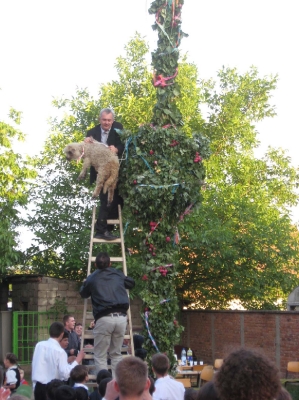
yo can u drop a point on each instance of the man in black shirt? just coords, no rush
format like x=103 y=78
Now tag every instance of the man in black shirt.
x=107 y=288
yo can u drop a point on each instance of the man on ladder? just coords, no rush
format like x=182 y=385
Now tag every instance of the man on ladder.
x=110 y=302
x=106 y=133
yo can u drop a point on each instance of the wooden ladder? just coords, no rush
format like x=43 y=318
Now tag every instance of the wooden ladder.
x=87 y=311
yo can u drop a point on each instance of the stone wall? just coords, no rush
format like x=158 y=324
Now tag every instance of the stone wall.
x=42 y=293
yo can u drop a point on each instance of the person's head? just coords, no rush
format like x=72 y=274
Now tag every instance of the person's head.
x=65 y=392
x=64 y=342
x=10 y=359
x=190 y=394
x=69 y=322
x=206 y=392
x=22 y=373
x=102 y=374
x=131 y=376
x=106 y=118
x=160 y=364
x=56 y=330
x=79 y=374
x=253 y=375
x=102 y=261
x=51 y=388
x=103 y=385
x=81 y=393
x=78 y=329
x=283 y=394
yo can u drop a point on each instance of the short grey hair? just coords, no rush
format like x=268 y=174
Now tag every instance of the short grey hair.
x=107 y=111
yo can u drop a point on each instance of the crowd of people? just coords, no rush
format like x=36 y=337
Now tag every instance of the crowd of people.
x=244 y=375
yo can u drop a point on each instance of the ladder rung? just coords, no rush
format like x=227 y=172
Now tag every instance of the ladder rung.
x=112 y=259
x=88 y=356
x=88 y=335
x=92 y=377
x=112 y=221
x=106 y=241
x=91 y=384
x=127 y=337
x=88 y=349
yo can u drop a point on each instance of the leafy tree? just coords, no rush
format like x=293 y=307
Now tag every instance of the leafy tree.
x=240 y=243
x=15 y=177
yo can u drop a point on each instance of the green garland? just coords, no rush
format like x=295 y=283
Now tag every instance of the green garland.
x=161 y=178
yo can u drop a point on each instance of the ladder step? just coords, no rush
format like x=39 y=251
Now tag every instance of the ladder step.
x=88 y=335
x=88 y=356
x=106 y=241
x=113 y=221
x=112 y=259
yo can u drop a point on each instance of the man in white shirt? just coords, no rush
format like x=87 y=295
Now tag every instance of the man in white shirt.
x=167 y=388
x=50 y=361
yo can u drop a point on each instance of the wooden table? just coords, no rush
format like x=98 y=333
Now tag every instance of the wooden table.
x=187 y=372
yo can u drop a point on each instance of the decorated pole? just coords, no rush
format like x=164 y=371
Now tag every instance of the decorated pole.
x=165 y=60
x=161 y=179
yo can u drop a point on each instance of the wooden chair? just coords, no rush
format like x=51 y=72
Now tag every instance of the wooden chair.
x=199 y=367
x=218 y=362
x=185 y=381
x=206 y=375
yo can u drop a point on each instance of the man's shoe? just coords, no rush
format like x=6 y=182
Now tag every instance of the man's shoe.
x=106 y=236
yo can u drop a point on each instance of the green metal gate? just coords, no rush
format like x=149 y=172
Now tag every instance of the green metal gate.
x=28 y=328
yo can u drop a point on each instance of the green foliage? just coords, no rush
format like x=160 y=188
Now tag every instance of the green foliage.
x=160 y=179
x=15 y=177
x=240 y=243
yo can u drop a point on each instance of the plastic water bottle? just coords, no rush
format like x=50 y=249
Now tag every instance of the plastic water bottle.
x=183 y=357
x=189 y=356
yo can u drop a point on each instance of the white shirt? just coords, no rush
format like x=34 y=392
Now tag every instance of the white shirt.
x=50 y=362
x=11 y=376
x=104 y=136
x=80 y=385
x=167 y=388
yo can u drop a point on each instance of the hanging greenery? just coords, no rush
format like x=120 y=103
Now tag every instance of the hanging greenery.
x=161 y=178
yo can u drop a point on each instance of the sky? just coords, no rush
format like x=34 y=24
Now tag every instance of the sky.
x=50 y=47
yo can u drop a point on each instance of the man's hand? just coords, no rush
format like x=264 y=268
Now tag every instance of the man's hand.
x=4 y=393
x=114 y=149
x=80 y=356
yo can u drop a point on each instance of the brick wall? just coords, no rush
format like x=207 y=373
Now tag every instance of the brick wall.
x=213 y=334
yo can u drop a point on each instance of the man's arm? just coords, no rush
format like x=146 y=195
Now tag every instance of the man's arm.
x=129 y=282
x=85 y=290
x=64 y=368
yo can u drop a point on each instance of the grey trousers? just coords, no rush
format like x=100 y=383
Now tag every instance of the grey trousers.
x=109 y=335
